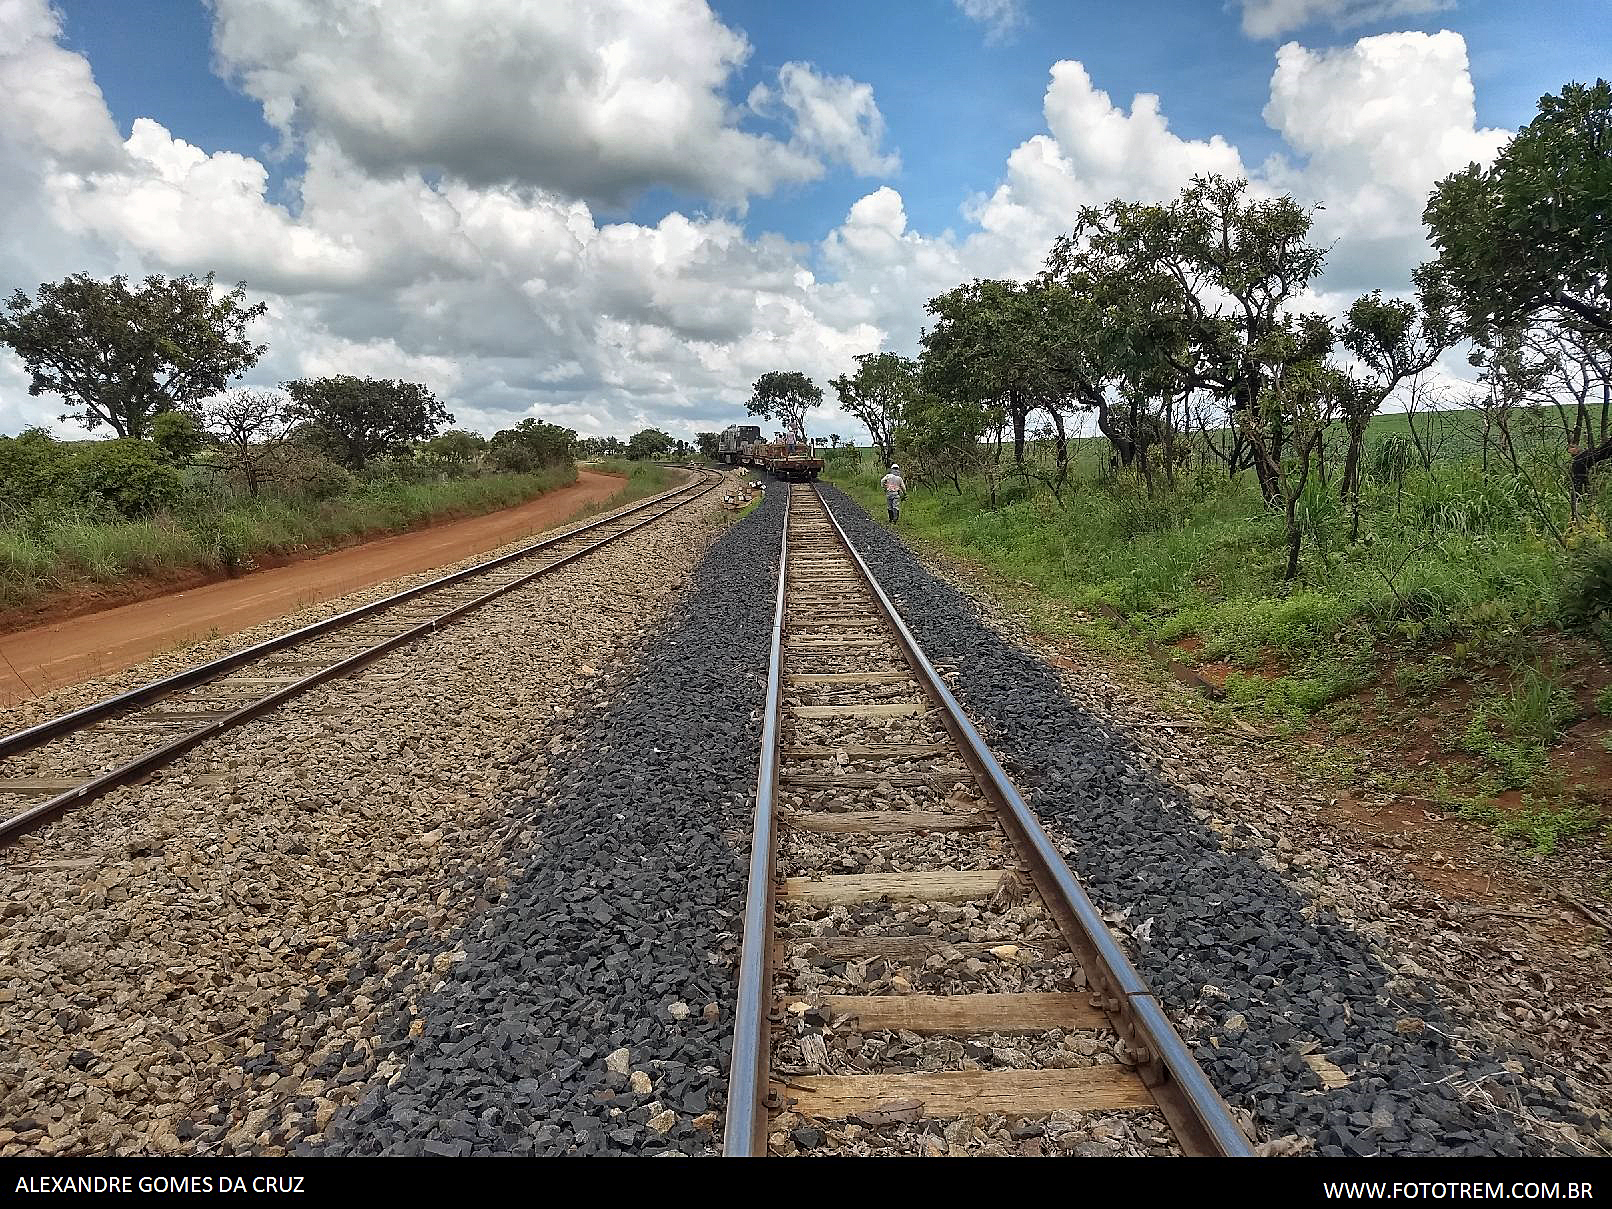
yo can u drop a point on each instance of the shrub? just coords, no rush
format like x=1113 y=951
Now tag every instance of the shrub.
x=1587 y=593
x=126 y=475
x=178 y=436
x=31 y=467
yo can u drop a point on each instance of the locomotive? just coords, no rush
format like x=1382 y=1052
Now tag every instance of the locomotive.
x=730 y=445
x=741 y=444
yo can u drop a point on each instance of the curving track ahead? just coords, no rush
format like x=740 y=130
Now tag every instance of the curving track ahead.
x=868 y=763
x=150 y=726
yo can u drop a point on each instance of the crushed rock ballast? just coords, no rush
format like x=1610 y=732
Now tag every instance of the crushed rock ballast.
x=1295 y=1017
x=591 y=1011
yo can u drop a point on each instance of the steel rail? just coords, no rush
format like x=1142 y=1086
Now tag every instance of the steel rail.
x=40 y=732
x=745 y=1130
x=1200 y=1119
x=43 y=812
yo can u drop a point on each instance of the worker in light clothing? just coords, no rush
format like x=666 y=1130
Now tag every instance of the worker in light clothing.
x=895 y=488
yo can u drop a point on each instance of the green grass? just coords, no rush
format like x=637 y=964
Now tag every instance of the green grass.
x=1541 y=822
x=44 y=553
x=1455 y=570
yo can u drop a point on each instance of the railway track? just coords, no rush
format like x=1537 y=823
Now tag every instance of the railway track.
x=127 y=737
x=915 y=948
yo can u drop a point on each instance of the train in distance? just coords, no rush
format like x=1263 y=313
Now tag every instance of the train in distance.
x=793 y=460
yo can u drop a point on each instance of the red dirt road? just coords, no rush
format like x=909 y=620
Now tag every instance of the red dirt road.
x=34 y=661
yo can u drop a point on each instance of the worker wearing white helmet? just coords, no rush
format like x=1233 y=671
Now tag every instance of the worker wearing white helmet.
x=895 y=489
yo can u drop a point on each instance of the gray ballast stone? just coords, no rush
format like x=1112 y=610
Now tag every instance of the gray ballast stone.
x=626 y=913
x=1301 y=983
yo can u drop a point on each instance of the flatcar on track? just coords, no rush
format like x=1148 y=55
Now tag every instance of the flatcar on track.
x=793 y=462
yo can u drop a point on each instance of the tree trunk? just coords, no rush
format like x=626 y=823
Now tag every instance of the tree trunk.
x=1060 y=440
x=1019 y=418
x=1122 y=444
x=1586 y=460
x=1295 y=536
x=1349 y=484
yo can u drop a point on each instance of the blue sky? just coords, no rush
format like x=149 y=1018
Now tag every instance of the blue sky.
x=572 y=209
x=954 y=102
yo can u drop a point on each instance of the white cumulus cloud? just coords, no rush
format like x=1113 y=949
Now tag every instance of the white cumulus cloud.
x=834 y=117
x=409 y=254
x=598 y=99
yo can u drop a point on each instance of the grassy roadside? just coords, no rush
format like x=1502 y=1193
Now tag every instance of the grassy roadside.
x=42 y=555
x=1430 y=660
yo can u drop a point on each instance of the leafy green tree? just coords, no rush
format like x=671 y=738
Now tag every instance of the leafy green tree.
x=356 y=420
x=178 y=436
x=707 y=442
x=1196 y=295
x=530 y=446
x=877 y=394
x=456 y=447
x=1394 y=340
x=784 y=396
x=941 y=437
x=650 y=443
x=989 y=346
x=1529 y=233
x=120 y=355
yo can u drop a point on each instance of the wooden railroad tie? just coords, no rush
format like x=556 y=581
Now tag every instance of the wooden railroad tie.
x=911 y=950
x=888 y=822
x=1033 y=1012
x=40 y=786
x=943 y=886
x=968 y=1093
x=943 y=777
x=895 y=709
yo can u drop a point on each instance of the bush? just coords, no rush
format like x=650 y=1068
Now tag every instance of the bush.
x=31 y=467
x=178 y=436
x=126 y=475
x=1587 y=593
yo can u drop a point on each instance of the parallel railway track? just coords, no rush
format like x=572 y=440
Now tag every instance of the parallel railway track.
x=892 y=854
x=148 y=727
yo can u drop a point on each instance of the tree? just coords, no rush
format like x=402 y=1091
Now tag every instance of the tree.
x=1523 y=250
x=127 y=475
x=178 y=436
x=356 y=420
x=249 y=429
x=707 y=442
x=876 y=394
x=1196 y=294
x=31 y=469
x=649 y=443
x=834 y=438
x=1394 y=340
x=786 y=397
x=941 y=435
x=530 y=446
x=120 y=355
x=989 y=345
x=456 y=447
x=1529 y=233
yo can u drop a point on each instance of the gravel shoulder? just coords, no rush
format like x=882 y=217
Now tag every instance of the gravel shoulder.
x=589 y=1010
x=209 y=962
x=1344 y=1004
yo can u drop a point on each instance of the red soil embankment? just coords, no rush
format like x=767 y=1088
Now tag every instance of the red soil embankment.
x=72 y=649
